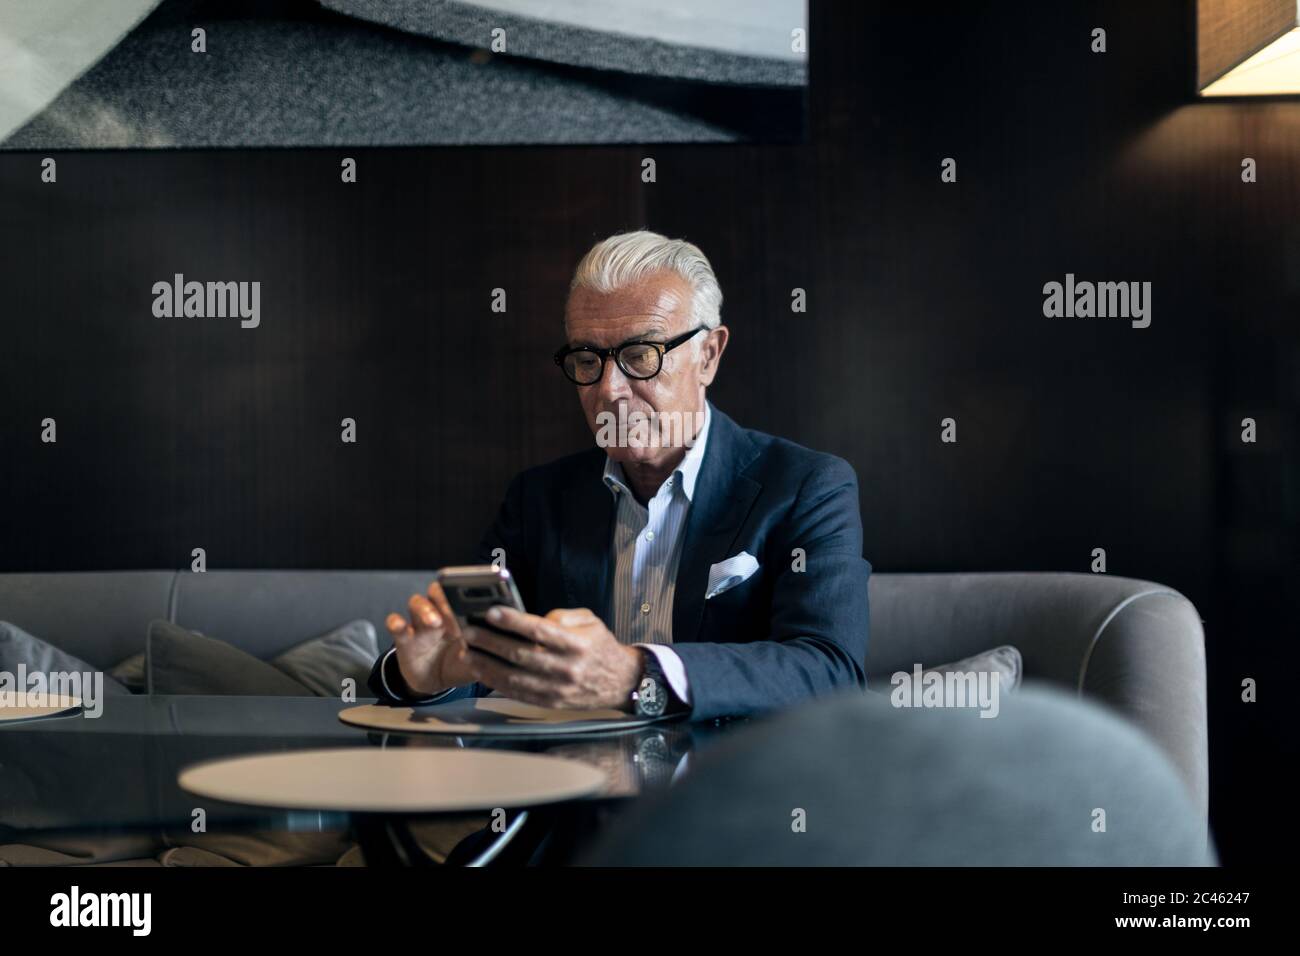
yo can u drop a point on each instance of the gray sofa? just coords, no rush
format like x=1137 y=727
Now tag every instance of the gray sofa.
x=1135 y=646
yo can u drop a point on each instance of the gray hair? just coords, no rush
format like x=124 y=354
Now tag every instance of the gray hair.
x=621 y=260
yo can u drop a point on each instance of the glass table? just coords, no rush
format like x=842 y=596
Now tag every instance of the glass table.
x=115 y=776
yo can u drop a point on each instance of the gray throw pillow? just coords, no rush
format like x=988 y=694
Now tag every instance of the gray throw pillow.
x=178 y=661
x=322 y=664
x=38 y=656
x=1005 y=661
x=130 y=673
x=181 y=661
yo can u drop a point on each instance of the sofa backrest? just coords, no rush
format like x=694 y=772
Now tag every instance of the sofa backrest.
x=267 y=612
x=1134 y=645
x=102 y=616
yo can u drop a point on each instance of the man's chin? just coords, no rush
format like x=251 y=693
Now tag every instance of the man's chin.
x=631 y=455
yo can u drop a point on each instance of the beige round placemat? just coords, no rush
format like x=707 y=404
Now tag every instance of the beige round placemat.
x=32 y=706
x=488 y=716
x=370 y=780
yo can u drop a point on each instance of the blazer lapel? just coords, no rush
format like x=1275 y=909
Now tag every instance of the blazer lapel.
x=585 y=543
x=723 y=499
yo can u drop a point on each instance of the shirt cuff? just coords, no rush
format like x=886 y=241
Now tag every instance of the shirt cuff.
x=398 y=690
x=674 y=670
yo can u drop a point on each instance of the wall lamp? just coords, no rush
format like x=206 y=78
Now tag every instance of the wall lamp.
x=1247 y=48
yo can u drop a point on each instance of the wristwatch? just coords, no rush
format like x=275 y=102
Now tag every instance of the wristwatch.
x=653 y=759
x=650 y=697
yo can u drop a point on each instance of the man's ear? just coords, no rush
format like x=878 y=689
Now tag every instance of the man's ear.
x=715 y=343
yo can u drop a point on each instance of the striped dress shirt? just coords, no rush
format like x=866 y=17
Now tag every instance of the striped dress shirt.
x=647 y=550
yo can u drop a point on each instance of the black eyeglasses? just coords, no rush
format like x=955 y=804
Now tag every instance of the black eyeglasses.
x=585 y=365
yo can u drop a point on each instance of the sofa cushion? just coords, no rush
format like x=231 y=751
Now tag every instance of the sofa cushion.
x=270 y=848
x=130 y=673
x=323 y=663
x=180 y=661
x=1005 y=661
x=17 y=647
x=88 y=850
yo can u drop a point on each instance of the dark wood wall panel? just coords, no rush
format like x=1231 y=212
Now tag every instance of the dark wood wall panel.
x=924 y=302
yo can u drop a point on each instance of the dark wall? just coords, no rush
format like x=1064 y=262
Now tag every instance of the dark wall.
x=924 y=300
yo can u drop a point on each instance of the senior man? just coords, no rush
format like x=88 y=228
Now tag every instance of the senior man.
x=701 y=568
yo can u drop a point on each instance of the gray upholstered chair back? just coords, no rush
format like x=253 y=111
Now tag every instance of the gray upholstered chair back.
x=1050 y=781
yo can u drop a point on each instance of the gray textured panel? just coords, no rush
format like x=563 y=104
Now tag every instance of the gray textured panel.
x=45 y=46
x=276 y=81
x=713 y=46
x=759 y=28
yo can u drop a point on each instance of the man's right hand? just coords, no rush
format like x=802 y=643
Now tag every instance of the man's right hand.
x=431 y=652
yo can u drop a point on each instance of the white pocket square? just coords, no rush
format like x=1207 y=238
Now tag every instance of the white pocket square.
x=725 y=575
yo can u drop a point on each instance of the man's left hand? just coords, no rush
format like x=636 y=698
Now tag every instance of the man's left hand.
x=567 y=659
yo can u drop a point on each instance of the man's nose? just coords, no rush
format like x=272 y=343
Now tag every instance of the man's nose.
x=613 y=383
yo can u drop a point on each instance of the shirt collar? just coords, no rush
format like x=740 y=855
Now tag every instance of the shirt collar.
x=684 y=475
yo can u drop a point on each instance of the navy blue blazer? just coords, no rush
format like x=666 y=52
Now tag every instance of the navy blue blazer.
x=782 y=636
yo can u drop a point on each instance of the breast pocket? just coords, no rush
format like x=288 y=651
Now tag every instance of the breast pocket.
x=740 y=613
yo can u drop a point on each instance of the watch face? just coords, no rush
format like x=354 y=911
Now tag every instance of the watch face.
x=653 y=747
x=651 y=699
x=654 y=760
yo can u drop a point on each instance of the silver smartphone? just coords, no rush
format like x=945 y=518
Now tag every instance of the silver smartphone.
x=472 y=589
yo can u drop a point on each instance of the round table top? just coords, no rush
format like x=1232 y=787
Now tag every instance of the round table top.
x=371 y=780
x=488 y=716
x=26 y=706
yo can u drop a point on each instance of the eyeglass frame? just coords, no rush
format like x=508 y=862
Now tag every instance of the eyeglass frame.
x=663 y=349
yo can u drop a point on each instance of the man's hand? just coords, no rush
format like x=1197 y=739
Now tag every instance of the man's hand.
x=431 y=651
x=567 y=659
